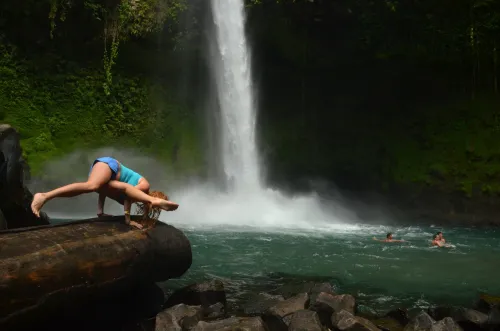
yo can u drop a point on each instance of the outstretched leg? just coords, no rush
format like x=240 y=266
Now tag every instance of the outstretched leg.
x=137 y=195
x=99 y=176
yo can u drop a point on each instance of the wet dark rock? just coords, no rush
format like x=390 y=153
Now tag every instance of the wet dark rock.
x=487 y=302
x=215 y=311
x=335 y=303
x=421 y=322
x=326 y=304
x=468 y=319
x=278 y=317
x=366 y=312
x=346 y=321
x=189 y=322
x=232 y=324
x=446 y=324
x=15 y=198
x=171 y=319
x=494 y=318
x=260 y=303
x=3 y=222
x=289 y=306
x=144 y=325
x=400 y=315
x=305 y=320
x=388 y=324
x=440 y=312
x=203 y=294
x=122 y=308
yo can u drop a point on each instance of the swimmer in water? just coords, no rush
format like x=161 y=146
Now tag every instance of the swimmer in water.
x=440 y=237
x=437 y=241
x=388 y=239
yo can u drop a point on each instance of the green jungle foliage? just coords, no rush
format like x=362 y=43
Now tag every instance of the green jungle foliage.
x=60 y=103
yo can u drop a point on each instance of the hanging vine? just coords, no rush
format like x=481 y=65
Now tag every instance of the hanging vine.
x=121 y=19
x=57 y=6
x=111 y=38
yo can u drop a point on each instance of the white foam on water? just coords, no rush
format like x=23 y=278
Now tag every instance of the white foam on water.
x=267 y=210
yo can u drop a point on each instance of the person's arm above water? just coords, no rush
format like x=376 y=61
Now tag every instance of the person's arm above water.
x=381 y=240
x=390 y=240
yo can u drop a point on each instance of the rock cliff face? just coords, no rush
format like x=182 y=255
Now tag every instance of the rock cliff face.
x=15 y=198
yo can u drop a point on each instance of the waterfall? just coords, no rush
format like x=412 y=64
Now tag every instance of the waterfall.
x=247 y=202
x=231 y=68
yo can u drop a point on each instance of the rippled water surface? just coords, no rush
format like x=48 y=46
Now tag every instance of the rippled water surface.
x=381 y=275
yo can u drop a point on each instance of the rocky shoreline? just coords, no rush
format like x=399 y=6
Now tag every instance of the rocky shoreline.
x=317 y=307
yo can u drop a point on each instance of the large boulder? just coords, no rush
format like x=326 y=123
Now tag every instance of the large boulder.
x=172 y=318
x=421 y=322
x=305 y=320
x=278 y=317
x=487 y=302
x=400 y=315
x=204 y=294
x=346 y=321
x=260 y=302
x=3 y=222
x=15 y=198
x=446 y=324
x=232 y=324
x=468 y=319
x=325 y=304
x=293 y=288
x=388 y=324
x=61 y=272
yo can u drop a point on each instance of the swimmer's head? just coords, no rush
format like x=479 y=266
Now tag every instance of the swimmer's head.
x=434 y=237
x=439 y=234
x=389 y=235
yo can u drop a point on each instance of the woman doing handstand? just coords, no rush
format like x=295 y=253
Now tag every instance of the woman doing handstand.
x=111 y=179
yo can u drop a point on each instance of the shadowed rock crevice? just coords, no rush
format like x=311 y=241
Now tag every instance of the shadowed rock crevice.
x=15 y=198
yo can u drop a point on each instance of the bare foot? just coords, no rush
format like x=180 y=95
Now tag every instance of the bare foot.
x=137 y=225
x=165 y=204
x=37 y=204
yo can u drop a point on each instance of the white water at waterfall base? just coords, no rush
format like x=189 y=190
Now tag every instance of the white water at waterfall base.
x=204 y=206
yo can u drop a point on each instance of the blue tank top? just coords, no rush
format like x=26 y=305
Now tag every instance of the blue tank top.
x=129 y=176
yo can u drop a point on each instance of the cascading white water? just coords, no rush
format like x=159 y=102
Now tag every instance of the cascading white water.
x=247 y=202
x=232 y=70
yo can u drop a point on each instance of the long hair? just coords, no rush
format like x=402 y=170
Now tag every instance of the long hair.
x=150 y=214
